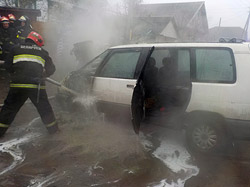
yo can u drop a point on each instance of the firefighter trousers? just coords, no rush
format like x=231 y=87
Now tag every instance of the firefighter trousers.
x=14 y=101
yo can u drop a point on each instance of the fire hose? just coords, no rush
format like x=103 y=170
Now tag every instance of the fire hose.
x=61 y=86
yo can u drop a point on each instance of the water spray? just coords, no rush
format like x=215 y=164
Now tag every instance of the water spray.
x=85 y=100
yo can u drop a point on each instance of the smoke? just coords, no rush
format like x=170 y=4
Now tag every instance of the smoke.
x=75 y=23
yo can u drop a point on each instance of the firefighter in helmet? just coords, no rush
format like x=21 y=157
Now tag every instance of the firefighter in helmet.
x=12 y=20
x=24 y=29
x=6 y=37
x=28 y=64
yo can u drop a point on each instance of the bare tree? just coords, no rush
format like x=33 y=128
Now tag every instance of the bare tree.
x=130 y=5
x=21 y=3
x=9 y=3
x=27 y=3
x=130 y=8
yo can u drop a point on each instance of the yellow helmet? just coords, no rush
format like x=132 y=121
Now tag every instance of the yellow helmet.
x=22 y=18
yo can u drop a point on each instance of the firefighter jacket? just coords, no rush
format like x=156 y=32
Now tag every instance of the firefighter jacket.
x=7 y=39
x=28 y=64
x=13 y=26
x=22 y=33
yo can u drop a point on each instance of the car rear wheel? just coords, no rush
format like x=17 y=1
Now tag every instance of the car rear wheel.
x=205 y=136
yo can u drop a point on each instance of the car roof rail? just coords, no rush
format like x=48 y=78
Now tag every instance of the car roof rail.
x=231 y=40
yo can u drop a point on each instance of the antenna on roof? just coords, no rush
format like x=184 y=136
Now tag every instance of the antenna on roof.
x=219 y=22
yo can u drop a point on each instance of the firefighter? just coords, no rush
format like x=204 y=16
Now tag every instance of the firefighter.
x=24 y=29
x=6 y=37
x=1 y=50
x=28 y=64
x=12 y=20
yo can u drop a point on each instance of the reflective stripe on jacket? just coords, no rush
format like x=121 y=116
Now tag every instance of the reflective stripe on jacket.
x=30 y=58
x=26 y=86
x=3 y=125
x=51 y=124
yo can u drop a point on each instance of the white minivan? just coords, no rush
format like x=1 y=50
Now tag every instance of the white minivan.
x=201 y=87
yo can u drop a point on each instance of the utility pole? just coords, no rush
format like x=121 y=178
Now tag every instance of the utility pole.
x=132 y=5
x=130 y=18
x=245 y=31
x=49 y=8
x=219 y=22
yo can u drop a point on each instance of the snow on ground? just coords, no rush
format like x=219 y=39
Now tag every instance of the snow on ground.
x=169 y=149
x=12 y=147
x=175 y=156
x=41 y=181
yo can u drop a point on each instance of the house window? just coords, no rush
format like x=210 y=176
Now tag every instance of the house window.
x=214 y=65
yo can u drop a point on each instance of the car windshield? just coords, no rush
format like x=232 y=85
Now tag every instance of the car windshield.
x=92 y=66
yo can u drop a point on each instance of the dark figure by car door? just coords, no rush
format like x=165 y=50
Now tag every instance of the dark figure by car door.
x=150 y=84
x=167 y=79
x=150 y=78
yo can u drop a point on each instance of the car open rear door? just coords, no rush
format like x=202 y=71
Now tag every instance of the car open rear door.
x=137 y=103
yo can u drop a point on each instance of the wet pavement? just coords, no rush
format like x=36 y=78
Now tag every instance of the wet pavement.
x=89 y=151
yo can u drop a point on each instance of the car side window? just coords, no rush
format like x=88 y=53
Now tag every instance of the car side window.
x=173 y=66
x=181 y=56
x=121 y=65
x=158 y=55
x=183 y=60
x=214 y=65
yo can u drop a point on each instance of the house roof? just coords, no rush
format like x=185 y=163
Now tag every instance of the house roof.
x=149 y=25
x=182 y=12
x=216 y=33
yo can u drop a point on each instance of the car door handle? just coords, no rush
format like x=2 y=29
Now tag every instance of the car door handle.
x=130 y=86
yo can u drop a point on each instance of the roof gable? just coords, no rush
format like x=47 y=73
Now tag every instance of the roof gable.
x=182 y=12
x=151 y=24
x=147 y=25
x=154 y=26
x=170 y=31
